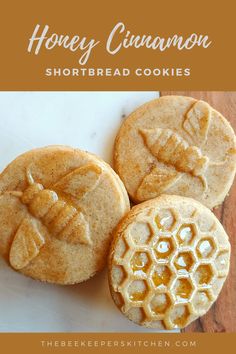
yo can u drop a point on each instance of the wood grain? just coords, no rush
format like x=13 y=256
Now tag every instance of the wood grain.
x=222 y=315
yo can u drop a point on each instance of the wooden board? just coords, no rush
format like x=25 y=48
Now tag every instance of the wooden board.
x=222 y=315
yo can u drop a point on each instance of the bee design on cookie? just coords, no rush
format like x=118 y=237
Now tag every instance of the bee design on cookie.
x=176 y=145
x=176 y=153
x=58 y=208
x=54 y=208
x=173 y=151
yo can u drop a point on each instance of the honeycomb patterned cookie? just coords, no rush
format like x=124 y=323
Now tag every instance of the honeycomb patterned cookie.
x=176 y=145
x=168 y=262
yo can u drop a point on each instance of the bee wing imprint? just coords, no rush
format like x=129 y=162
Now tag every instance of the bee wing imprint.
x=77 y=184
x=177 y=156
x=26 y=244
x=80 y=181
x=197 y=121
x=156 y=182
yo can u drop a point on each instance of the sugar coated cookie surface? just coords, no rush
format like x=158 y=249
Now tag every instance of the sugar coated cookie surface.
x=176 y=145
x=58 y=208
x=168 y=262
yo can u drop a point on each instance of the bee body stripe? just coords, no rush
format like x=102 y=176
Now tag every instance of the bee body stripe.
x=63 y=220
x=168 y=147
x=77 y=230
x=42 y=202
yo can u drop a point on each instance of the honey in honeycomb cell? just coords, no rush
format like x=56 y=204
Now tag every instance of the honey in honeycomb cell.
x=137 y=290
x=205 y=247
x=161 y=275
x=164 y=248
x=160 y=303
x=180 y=315
x=184 y=261
x=186 y=234
x=165 y=220
x=203 y=274
x=183 y=289
x=140 y=263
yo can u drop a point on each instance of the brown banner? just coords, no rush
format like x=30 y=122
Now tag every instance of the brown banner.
x=124 y=45
x=117 y=343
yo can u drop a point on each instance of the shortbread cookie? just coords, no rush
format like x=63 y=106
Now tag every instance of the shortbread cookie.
x=58 y=209
x=168 y=262
x=176 y=145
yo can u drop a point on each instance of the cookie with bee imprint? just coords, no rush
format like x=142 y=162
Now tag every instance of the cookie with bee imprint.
x=58 y=208
x=176 y=145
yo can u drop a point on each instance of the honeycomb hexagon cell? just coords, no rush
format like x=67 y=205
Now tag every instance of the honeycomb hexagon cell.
x=222 y=262
x=217 y=285
x=179 y=316
x=182 y=289
x=206 y=247
x=136 y=314
x=203 y=274
x=201 y=300
x=137 y=290
x=141 y=233
x=186 y=234
x=165 y=220
x=159 y=324
x=164 y=248
x=118 y=274
x=161 y=275
x=160 y=303
x=121 y=247
x=118 y=299
x=184 y=261
x=140 y=262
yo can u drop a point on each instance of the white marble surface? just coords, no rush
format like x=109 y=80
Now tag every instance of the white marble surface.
x=88 y=120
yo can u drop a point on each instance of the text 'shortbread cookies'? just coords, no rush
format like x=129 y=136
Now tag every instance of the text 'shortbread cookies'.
x=176 y=145
x=168 y=262
x=58 y=208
